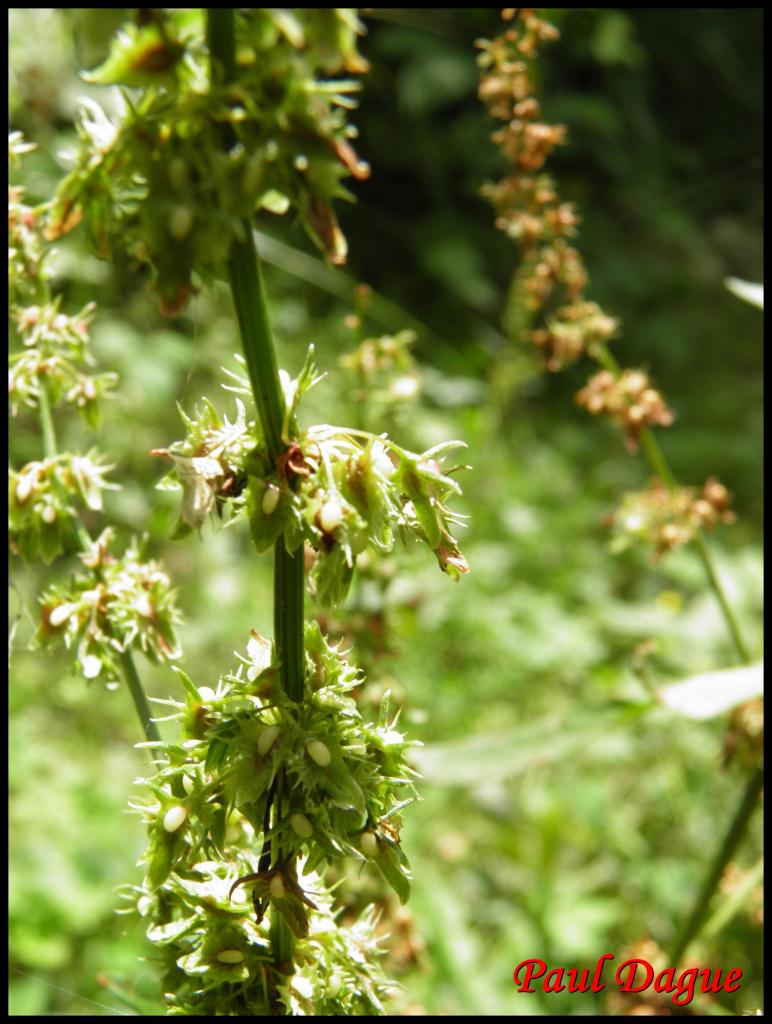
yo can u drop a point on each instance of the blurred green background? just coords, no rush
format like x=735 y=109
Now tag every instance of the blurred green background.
x=552 y=825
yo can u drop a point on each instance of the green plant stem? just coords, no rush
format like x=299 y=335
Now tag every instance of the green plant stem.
x=731 y=841
x=251 y=304
x=140 y=699
x=50 y=449
x=133 y=681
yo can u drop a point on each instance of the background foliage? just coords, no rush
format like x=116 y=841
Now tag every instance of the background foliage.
x=544 y=831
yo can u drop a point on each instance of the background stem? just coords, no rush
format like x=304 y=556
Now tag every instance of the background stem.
x=731 y=841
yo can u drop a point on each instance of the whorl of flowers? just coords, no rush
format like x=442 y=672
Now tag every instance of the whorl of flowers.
x=629 y=399
x=161 y=184
x=331 y=784
x=340 y=491
x=115 y=604
x=668 y=518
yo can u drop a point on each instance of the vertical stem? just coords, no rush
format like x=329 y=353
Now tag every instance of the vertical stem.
x=47 y=423
x=731 y=841
x=140 y=700
x=251 y=304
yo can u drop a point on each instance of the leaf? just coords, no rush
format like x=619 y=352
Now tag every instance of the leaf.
x=394 y=867
x=712 y=693
x=752 y=293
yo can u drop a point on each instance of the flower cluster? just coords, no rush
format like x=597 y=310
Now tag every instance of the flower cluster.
x=330 y=784
x=669 y=517
x=386 y=373
x=339 y=491
x=629 y=399
x=160 y=182
x=115 y=605
x=43 y=499
x=571 y=331
x=54 y=349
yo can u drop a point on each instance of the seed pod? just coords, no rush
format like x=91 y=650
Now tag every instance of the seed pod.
x=330 y=515
x=48 y=515
x=318 y=752
x=369 y=843
x=301 y=825
x=271 y=497
x=175 y=817
x=230 y=956
x=266 y=739
x=61 y=614
x=276 y=887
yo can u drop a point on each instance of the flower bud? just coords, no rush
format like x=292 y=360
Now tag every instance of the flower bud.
x=206 y=693
x=89 y=389
x=369 y=843
x=301 y=825
x=267 y=738
x=61 y=614
x=330 y=515
x=187 y=784
x=48 y=515
x=175 y=817
x=276 y=887
x=230 y=956
x=318 y=752
x=271 y=497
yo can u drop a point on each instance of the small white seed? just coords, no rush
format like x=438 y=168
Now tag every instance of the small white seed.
x=61 y=614
x=301 y=825
x=330 y=515
x=318 y=752
x=230 y=956
x=180 y=223
x=175 y=817
x=206 y=693
x=271 y=497
x=369 y=844
x=92 y=666
x=334 y=985
x=89 y=389
x=23 y=488
x=266 y=739
x=48 y=515
x=276 y=887
x=302 y=986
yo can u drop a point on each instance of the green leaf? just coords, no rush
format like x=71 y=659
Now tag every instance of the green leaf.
x=394 y=867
